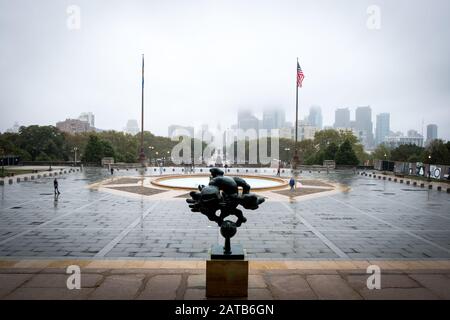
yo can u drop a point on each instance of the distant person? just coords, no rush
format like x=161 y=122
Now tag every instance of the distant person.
x=278 y=172
x=55 y=186
x=292 y=183
x=112 y=170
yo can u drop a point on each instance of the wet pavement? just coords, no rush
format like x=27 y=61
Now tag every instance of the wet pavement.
x=374 y=219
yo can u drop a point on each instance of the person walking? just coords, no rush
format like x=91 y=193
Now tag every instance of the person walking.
x=55 y=186
x=292 y=183
x=112 y=170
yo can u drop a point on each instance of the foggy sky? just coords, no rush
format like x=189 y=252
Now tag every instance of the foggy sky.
x=206 y=59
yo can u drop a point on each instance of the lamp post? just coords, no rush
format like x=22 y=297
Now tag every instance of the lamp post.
x=287 y=150
x=141 y=153
x=429 y=167
x=75 y=155
x=150 y=154
x=2 y=152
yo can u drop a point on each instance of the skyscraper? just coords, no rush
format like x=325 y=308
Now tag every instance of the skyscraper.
x=246 y=120
x=342 y=118
x=364 y=126
x=132 y=127
x=88 y=117
x=176 y=130
x=382 y=128
x=431 y=132
x=273 y=119
x=315 y=117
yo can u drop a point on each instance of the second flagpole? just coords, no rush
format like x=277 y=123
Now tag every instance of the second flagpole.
x=295 y=159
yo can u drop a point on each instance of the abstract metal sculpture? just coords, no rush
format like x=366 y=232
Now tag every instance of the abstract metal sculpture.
x=222 y=193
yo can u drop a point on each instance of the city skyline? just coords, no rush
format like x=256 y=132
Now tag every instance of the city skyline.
x=200 y=62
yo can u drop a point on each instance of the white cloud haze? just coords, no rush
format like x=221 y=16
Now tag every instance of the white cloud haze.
x=205 y=59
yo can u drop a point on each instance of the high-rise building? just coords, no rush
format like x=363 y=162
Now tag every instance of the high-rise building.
x=396 y=139
x=74 y=126
x=382 y=128
x=246 y=120
x=88 y=117
x=132 y=127
x=315 y=117
x=364 y=126
x=431 y=132
x=305 y=131
x=342 y=118
x=176 y=130
x=286 y=132
x=273 y=119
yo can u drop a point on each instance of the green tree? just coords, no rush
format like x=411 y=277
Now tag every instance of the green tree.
x=405 y=151
x=345 y=155
x=94 y=150
x=438 y=153
x=330 y=151
x=382 y=152
x=37 y=140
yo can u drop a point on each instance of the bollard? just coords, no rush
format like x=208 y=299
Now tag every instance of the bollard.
x=408 y=182
x=401 y=180
x=379 y=177
x=422 y=185
x=38 y=176
x=439 y=188
x=2 y=183
x=25 y=178
x=18 y=179
x=384 y=178
x=448 y=190
x=390 y=179
x=414 y=183
x=32 y=177
x=10 y=181
x=395 y=179
x=430 y=186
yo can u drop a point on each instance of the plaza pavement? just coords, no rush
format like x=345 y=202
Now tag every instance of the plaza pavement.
x=307 y=246
x=368 y=219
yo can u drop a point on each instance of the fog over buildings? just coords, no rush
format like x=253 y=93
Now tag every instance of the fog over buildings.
x=205 y=60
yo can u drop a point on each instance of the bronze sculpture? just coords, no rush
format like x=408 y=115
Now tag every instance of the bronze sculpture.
x=222 y=193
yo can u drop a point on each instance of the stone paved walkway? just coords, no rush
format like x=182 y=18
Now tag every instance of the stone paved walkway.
x=368 y=219
x=128 y=279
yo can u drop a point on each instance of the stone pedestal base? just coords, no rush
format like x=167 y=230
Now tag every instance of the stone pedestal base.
x=226 y=278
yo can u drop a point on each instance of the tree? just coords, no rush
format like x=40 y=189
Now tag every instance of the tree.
x=404 y=151
x=94 y=150
x=330 y=151
x=438 y=152
x=380 y=151
x=42 y=140
x=345 y=154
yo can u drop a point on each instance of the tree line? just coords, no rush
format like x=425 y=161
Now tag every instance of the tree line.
x=436 y=152
x=47 y=143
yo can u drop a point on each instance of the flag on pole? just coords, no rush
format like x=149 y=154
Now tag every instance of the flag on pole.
x=300 y=75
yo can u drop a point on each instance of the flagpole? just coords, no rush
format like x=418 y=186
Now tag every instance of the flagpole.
x=142 y=154
x=295 y=160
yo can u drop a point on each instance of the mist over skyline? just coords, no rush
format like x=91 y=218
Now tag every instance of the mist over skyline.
x=206 y=59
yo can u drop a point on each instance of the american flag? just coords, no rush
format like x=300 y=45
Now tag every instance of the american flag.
x=300 y=75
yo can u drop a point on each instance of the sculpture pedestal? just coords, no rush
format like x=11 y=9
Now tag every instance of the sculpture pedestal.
x=227 y=275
